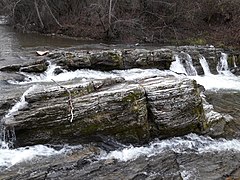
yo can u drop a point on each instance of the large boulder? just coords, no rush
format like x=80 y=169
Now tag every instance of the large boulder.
x=174 y=106
x=130 y=112
x=119 y=111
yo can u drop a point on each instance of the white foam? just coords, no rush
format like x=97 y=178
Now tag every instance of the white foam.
x=216 y=82
x=131 y=74
x=20 y=104
x=177 y=67
x=222 y=64
x=190 y=69
x=10 y=157
x=188 y=174
x=204 y=65
x=135 y=74
x=185 y=144
x=225 y=80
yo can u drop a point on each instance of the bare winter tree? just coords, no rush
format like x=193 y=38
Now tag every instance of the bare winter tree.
x=136 y=20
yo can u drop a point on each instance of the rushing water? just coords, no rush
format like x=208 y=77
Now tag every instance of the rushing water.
x=186 y=144
x=19 y=48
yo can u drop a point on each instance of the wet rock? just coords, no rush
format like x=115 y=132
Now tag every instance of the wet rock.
x=235 y=70
x=84 y=163
x=71 y=60
x=40 y=168
x=58 y=71
x=174 y=107
x=130 y=112
x=33 y=67
x=164 y=167
x=5 y=76
x=142 y=58
x=119 y=111
x=110 y=59
x=211 y=54
x=36 y=68
x=210 y=165
x=4 y=106
x=107 y=60
x=224 y=113
x=113 y=59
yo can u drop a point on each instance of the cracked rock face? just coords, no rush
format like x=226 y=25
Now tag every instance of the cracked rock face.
x=130 y=112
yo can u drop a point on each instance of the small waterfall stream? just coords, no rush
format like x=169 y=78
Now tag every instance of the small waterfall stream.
x=205 y=66
x=222 y=64
x=183 y=65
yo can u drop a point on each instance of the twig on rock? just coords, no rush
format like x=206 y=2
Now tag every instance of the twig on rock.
x=70 y=102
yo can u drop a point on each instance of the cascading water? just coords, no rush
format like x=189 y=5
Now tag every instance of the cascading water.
x=224 y=80
x=183 y=64
x=191 y=71
x=177 y=66
x=205 y=66
x=222 y=64
x=7 y=135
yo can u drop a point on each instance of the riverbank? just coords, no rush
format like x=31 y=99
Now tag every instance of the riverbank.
x=178 y=23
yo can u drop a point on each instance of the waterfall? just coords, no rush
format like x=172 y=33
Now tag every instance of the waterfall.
x=222 y=64
x=183 y=64
x=191 y=71
x=234 y=61
x=204 y=65
x=177 y=66
x=7 y=135
x=20 y=104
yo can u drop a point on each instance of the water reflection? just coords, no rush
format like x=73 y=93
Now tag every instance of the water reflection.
x=9 y=46
x=18 y=47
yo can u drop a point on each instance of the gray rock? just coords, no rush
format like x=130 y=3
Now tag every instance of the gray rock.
x=38 y=66
x=226 y=116
x=80 y=165
x=175 y=106
x=220 y=165
x=110 y=59
x=131 y=112
x=113 y=59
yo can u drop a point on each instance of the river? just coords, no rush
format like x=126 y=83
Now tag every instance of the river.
x=197 y=157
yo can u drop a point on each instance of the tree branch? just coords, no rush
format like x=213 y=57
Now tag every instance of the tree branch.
x=49 y=9
x=38 y=14
x=70 y=102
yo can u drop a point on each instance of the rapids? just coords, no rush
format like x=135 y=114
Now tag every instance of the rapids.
x=16 y=48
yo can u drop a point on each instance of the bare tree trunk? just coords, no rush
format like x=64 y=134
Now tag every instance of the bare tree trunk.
x=110 y=13
x=109 y=30
x=38 y=13
x=49 y=9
